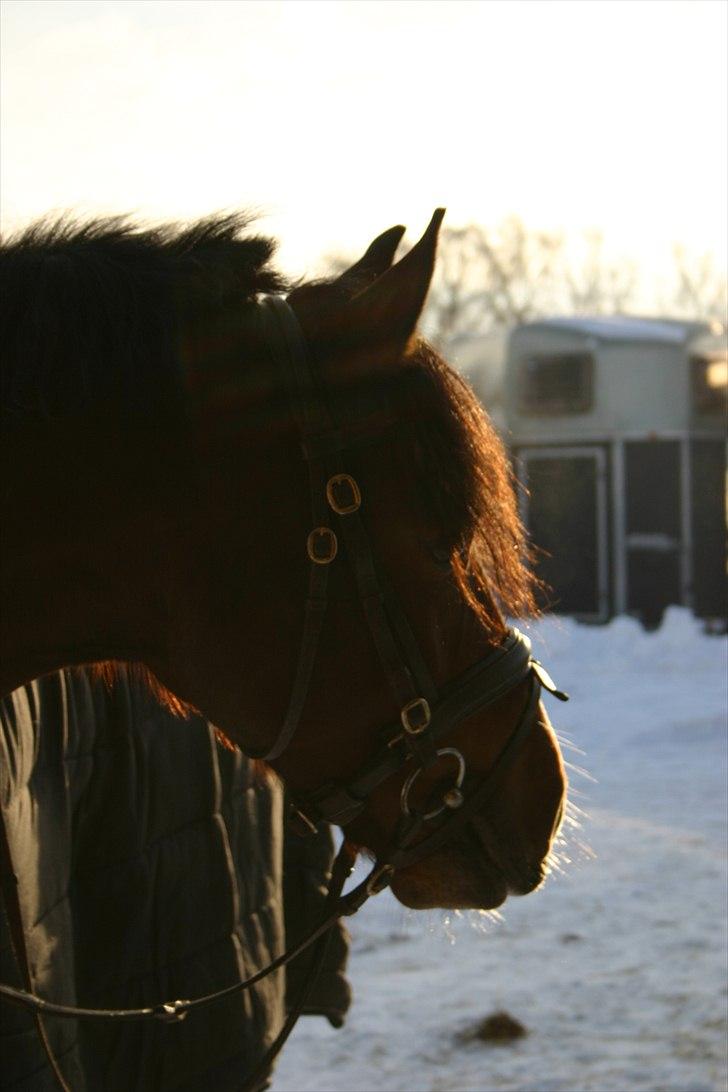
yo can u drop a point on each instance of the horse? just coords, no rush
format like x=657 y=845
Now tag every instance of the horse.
x=286 y=510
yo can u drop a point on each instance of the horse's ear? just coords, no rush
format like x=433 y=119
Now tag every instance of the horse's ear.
x=374 y=262
x=383 y=317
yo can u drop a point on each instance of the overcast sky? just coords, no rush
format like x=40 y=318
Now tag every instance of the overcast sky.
x=337 y=119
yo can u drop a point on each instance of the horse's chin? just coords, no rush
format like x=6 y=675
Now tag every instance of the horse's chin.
x=425 y=894
x=452 y=880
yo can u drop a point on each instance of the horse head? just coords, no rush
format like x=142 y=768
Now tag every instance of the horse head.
x=330 y=544
x=435 y=505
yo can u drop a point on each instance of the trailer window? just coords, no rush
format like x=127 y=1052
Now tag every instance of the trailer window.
x=557 y=383
x=710 y=384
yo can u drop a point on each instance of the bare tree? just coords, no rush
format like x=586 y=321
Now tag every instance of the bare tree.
x=523 y=272
x=487 y=279
x=597 y=286
x=701 y=292
x=455 y=305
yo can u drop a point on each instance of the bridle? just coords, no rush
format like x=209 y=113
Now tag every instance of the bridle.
x=427 y=714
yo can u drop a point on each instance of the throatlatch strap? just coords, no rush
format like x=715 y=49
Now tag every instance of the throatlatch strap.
x=287 y=345
x=315 y=612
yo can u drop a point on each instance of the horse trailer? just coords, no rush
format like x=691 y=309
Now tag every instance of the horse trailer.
x=617 y=428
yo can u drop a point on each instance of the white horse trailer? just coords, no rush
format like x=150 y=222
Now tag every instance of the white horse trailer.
x=617 y=426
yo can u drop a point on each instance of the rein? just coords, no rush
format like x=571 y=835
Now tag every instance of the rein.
x=426 y=714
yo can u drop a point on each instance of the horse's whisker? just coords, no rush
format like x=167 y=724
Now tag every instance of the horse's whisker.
x=581 y=772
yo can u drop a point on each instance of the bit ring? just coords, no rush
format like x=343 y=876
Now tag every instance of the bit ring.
x=453 y=793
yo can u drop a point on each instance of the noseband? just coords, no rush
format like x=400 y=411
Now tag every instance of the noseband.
x=427 y=714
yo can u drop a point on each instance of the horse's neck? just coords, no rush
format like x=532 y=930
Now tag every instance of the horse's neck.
x=76 y=562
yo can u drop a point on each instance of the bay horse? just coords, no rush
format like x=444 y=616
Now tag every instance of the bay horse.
x=285 y=508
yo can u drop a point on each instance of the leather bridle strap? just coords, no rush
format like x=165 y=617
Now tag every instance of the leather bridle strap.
x=403 y=856
x=480 y=686
x=173 y=1011
x=288 y=349
x=408 y=678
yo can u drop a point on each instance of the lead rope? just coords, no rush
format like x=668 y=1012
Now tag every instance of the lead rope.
x=336 y=904
x=170 y=1012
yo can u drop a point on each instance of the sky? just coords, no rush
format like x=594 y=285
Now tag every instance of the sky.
x=335 y=119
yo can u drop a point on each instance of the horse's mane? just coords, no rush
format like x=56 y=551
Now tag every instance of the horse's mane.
x=467 y=481
x=107 y=292
x=88 y=309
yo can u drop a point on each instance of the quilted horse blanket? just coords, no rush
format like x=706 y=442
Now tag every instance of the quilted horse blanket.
x=151 y=865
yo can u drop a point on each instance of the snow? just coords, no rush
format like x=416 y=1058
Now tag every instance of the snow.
x=617 y=966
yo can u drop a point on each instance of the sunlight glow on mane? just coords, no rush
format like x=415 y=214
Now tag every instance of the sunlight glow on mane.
x=468 y=483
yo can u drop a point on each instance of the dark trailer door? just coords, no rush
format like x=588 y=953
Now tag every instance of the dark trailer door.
x=654 y=544
x=565 y=511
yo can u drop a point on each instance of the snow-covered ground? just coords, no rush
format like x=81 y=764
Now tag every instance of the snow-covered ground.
x=617 y=967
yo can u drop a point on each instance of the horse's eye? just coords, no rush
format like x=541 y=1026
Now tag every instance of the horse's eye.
x=441 y=557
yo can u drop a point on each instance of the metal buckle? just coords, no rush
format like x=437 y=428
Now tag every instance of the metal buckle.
x=452 y=798
x=416 y=716
x=351 y=500
x=322 y=545
x=379 y=879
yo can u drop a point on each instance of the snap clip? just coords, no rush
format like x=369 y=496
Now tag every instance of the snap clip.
x=379 y=879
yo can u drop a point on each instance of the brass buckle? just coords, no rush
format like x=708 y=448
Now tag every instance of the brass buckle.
x=343 y=483
x=416 y=716
x=322 y=545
